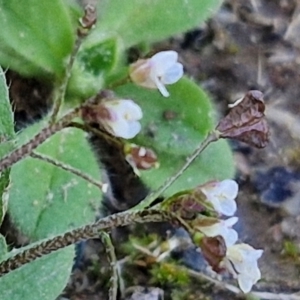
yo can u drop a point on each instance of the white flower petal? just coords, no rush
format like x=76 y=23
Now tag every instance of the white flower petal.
x=138 y=113
x=118 y=128
x=231 y=221
x=221 y=228
x=160 y=69
x=227 y=207
x=133 y=129
x=161 y=87
x=211 y=231
x=163 y=60
x=230 y=237
x=125 y=130
x=241 y=261
x=229 y=188
x=173 y=74
x=215 y=203
x=221 y=195
x=124 y=123
x=129 y=110
x=245 y=284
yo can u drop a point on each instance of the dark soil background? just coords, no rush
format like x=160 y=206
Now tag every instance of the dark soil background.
x=249 y=44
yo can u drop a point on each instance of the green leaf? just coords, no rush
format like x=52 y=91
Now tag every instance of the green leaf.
x=7 y=133
x=44 y=278
x=36 y=36
x=6 y=114
x=45 y=200
x=4 y=185
x=92 y=63
x=3 y=247
x=100 y=57
x=174 y=139
x=139 y=21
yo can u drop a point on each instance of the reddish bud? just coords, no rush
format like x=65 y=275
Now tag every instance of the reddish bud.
x=187 y=206
x=245 y=121
x=140 y=157
x=213 y=250
x=93 y=113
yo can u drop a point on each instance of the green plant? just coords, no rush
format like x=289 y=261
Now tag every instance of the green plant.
x=166 y=273
x=57 y=188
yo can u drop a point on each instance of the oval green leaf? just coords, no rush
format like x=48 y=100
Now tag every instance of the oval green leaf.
x=139 y=21
x=45 y=200
x=3 y=247
x=43 y=278
x=92 y=63
x=7 y=134
x=35 y=37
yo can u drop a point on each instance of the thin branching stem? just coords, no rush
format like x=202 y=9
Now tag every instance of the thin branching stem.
x=232 y=288
x=26 y=149
x=275 y=296
x=68 y=168
x=112 y=258
x=212 y=137
x=97 y=132
x=90 y=231
x=61 y=89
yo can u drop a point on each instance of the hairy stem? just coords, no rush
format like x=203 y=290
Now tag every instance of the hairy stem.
x=112 y=258
x=68 y=168
x=90 y=231
x=38 y=139
x=61 y=90
x=212 y=137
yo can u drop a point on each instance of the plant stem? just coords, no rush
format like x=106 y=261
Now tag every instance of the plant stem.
x=61 y=90
x=232 y=288
x=67 y=168
x=212 y=137
x=112 y=258
x=38 y=139
x=102 y=134
x=90 y=231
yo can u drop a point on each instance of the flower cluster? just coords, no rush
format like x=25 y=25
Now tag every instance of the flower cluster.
x=245 y=122
x=120 y=117
x=240 y=259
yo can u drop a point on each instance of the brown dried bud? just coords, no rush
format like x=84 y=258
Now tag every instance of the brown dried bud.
x=213 y=250
x=88 y=20
x=140 y=157
x=245 y=121
x=94 y=113
x=94 y=110
x=186 y=205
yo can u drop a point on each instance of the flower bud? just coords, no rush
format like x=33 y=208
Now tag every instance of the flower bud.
x=157 y=71
x=117 y=116
x=140 y=158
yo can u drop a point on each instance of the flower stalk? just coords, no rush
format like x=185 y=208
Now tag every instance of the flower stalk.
x=90 y=231
x=86 y=23
x=212 y=137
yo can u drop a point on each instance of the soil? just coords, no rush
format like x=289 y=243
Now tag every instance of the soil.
x=249 y=44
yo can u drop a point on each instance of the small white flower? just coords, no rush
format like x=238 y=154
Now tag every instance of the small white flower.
x=155 y=72
x=121 y=118
x=223 y=228
x=241 y=262
x=222 y=195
